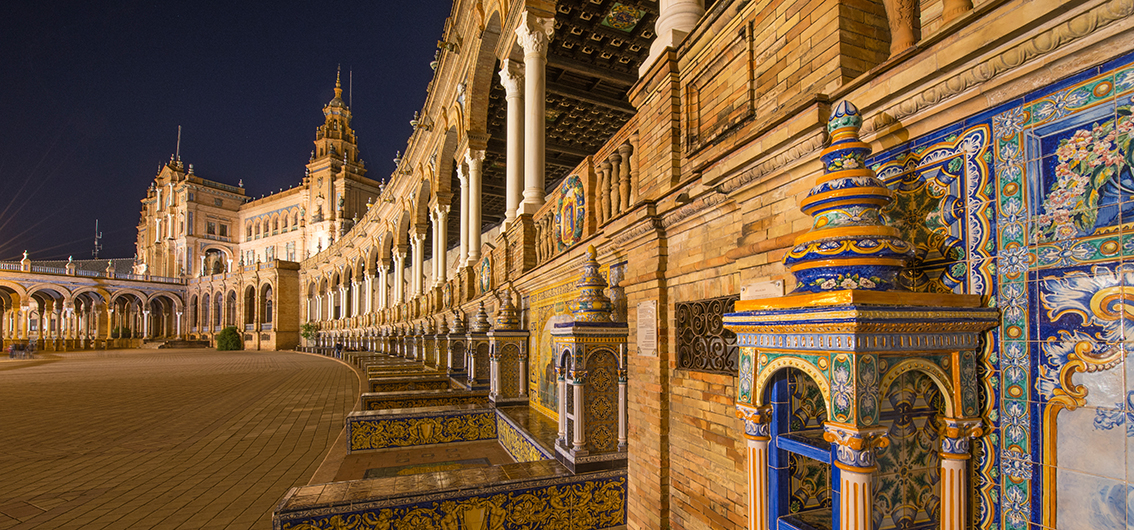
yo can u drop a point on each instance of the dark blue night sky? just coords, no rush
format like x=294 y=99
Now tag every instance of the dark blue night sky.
x=91 y=94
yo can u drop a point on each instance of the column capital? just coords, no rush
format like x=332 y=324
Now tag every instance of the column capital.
x=757 y=421
x=474 y=156
x=462 y=174
x=534 y=33
x=856 y=445
x=512 y=78
x=441 y=210
x=956 y=433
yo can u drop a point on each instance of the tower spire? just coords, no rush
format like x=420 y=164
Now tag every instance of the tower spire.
x=338 y=84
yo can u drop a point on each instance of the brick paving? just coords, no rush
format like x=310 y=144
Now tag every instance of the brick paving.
x=163 y=439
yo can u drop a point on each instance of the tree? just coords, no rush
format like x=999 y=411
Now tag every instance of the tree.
x=308 y=330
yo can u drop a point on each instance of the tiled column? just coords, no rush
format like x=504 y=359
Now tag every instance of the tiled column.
x=757 y=430
x=512 y=77
x=475 y=158
x=955 y=454
x=534 y=34
x=854 y=456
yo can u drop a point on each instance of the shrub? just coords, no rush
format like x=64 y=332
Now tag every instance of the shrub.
x=229 y=339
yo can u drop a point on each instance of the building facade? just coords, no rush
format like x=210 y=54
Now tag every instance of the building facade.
x=680 y=141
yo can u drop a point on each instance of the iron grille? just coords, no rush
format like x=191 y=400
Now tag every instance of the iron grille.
x=702 y=342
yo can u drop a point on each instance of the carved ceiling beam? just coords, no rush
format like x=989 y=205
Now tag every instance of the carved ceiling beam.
x=587 y=97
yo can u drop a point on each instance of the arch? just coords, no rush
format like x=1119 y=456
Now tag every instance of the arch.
x=402 y=232
x=385 y=247
x=62 y=292
x=250 y=305
x=16 y=288
x=178 y=303
x=266 y=303
x=133 y=292
x=422 y=197
x=230 y=308
x=216 y=259
x=94 y=291
x=446 y=165
x=931 y=370
x=481 y=79
x=761 y=383
x=193 y=311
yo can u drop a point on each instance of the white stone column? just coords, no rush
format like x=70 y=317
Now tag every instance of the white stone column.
x=384 y=286
x=676 y=18
x=475 y=158
x=146 y=323
x=512 y=78
x=442 y=257
x=435 y=263
x=534 y=35
x=464 y=254
x=524 y=374
x=561 y=380
x=399 y=276
x=355 y=296
x=179 y=335
x=417 y=246
x=580 y=423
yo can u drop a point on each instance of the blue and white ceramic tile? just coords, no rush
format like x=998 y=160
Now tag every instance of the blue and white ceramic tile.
x=1094 y=502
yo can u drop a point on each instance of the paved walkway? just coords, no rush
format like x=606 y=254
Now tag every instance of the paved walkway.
x=164 y=439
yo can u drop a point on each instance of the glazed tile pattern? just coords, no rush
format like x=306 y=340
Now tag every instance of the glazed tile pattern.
x=379 y=430
x=525 y=495
x=518 y=443
x=1030 y=204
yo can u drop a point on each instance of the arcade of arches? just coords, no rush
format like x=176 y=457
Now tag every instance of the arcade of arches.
x=760 y=181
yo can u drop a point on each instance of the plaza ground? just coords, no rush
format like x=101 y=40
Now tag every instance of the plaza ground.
x=164 y=439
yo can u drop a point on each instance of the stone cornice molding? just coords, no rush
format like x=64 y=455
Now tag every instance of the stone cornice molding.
x=1034 y=47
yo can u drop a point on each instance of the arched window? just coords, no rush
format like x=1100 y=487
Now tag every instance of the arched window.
x=205 y=310
x=266 y=304
x=230 y=302
x=250 y=305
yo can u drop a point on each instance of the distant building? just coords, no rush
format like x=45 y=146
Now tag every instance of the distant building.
x=191 y=226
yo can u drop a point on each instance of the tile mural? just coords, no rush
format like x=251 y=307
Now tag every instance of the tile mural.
x=1031 y=205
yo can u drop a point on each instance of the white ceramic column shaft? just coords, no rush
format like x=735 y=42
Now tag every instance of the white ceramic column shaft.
x=534 y=35
x=475 y=158
x=512 y=77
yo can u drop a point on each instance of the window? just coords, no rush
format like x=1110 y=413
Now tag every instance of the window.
x=290 y=251
x=248 y=237
x=251 y=257
x=189 y=223
x=218 y=202
x=192 y=196
x=210 y=228
x=224 y=230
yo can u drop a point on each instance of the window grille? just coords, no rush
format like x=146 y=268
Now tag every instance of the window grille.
x=702 y=342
